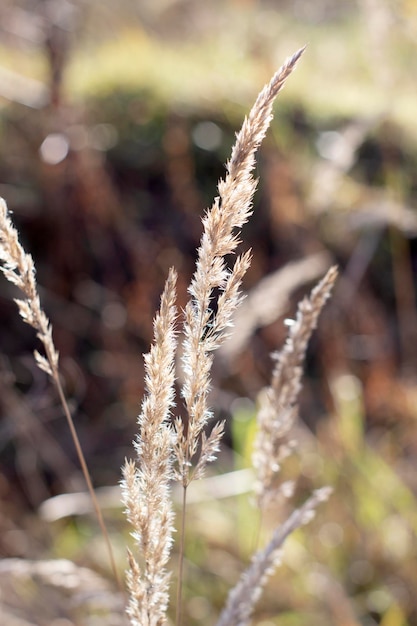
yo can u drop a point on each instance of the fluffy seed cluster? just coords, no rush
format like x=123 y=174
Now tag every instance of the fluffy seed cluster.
x=246 y=593
x=19 y=269
x=168 y=447
x=279 y=402
x=146 y=487
x=204 y=329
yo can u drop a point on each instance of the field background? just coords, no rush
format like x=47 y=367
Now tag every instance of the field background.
x=116 y=120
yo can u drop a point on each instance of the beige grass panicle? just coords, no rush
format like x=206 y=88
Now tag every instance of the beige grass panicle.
x=168 y=447
x=279 y=403
x=244 y=596
x=19 y=269
x=204 y=330
x=276 y=415
x=146 y=487
x=214 y=296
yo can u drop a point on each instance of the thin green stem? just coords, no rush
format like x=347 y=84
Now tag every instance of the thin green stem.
x=257 y=532
x=86 y=474
x=181 y=559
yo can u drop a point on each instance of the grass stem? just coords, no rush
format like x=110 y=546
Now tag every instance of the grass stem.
x=181 y=559
x=87 y=477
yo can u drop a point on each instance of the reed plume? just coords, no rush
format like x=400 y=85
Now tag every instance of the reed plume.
x=214 y=295
x=277 y=413
x=19 y=269
x=243 y=597
x=146 y=488
x=279 y=402
x=204 y=329
x=168 y=447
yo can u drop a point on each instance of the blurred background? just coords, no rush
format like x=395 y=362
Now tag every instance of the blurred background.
x=116 y=120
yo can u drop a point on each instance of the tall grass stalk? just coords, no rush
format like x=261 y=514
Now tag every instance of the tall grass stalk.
x=205 y=330
x=278 y=408
x=146 y=487
x=19 y=269
x=215 y=293
x=169 y=447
